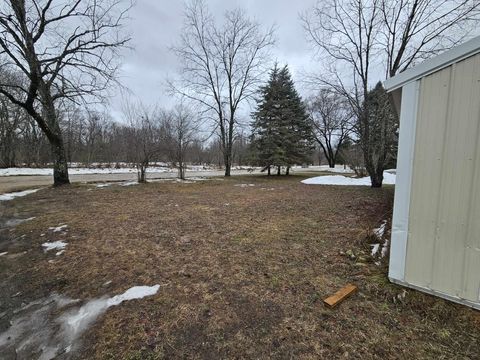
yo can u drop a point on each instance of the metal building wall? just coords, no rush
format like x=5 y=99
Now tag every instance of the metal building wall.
x=443 y=247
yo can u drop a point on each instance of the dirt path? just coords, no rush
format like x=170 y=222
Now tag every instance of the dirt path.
x=13 y=183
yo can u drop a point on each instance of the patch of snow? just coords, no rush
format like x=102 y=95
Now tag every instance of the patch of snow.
x=380 y=231
x=338 y=169
x=34 y=332
x=60 y=253
x=185 y=181
x=136 y=292
x=198 y=178
x=13 y=195
x=129 y=183
x=4 y=253
x=58 y=228
x=56 y=245
x=103 y=185
x=388 y=179
x=15 y=222
x=384 y=248
x=375 y=248
x=244 y=185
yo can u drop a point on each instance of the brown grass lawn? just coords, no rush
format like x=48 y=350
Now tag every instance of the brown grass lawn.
x=243 y=271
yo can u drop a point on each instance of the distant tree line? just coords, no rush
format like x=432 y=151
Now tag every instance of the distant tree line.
x=94 y=137
x=285 y=131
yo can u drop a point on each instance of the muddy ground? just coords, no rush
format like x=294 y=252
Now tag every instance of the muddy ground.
x=243 y=265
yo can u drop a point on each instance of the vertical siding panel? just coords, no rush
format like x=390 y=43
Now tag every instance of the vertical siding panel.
x=471 y=271
x=456 y=183
x=431 y=122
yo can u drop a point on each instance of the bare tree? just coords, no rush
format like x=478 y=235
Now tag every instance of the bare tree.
x=362 y=36
x=181 y=128
x=413 y=30
x=221 y=66
x=332 y=122
x=144 y=136
x=12 y=120
x=65 y=50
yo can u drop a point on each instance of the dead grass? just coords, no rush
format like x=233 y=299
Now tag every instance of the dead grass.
x=243 y=271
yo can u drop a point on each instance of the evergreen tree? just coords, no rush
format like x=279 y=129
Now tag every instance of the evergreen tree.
x=381 y=138
x=282 y=134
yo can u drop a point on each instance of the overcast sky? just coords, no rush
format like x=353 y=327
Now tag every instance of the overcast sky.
x=156 y=25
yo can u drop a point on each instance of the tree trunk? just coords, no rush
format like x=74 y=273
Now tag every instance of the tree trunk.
x=141 y=174
x=228 y=162
x=377 y=180
x=54 y=136
x=269 y=167
x=60 y=165
x=331 y=159
x=287 y=172
x=279 y=170
x=181 y=171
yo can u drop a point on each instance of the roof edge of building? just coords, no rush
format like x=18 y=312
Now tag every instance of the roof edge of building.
x=455 y=54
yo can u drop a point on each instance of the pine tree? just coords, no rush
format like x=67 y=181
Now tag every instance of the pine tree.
x=282 y=134
x=381 y=136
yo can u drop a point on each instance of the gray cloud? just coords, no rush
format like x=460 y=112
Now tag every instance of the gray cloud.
x=156 y=25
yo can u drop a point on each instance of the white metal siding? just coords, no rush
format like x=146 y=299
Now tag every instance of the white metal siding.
x=443 y=247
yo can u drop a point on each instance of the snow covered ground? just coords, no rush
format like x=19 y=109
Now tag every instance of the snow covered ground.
x=338 y=169
x=74 y=170
x=13 y=195
x=79 y=171
x=388 y=178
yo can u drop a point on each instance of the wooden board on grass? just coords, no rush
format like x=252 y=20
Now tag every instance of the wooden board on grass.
x=340 y=295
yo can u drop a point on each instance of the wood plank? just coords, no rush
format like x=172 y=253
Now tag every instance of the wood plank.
x=340 y=295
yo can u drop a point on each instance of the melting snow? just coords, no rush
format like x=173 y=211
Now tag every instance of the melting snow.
x=375 y=248
x=384 y=248
x=136 y=292
x=4 y=253
x=129 y=183
x=81 y=171
x=13 y=195
x=58 y=228
x=244 y=185
x=33 y=331
x=15 y=222
x=339 y=169
x=388 y=178
x=380 y=231
x=56 y=245
x=103 y=185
